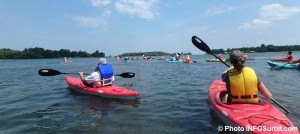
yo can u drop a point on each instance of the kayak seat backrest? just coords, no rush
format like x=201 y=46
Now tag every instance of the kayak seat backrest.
x=260 y=106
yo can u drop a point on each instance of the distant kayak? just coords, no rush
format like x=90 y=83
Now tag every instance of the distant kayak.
x=262 y=115
x=68 y=61
x=126 y=61
x=186 y=61
x=113 y=91
x=282 y=65
x=279 y=59
x=216 y=60
x=173 y=61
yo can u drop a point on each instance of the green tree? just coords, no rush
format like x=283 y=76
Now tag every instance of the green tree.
x=98 y=54
x=64 y=52
x=82 y=54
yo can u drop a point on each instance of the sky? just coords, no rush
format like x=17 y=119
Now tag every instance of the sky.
x=123 y=26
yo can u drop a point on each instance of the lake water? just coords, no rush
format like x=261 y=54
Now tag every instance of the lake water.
x=173 y=96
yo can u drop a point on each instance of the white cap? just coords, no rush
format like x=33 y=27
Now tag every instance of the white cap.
x=102 y=61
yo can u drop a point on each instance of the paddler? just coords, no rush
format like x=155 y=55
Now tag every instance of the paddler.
x=187 y=58
x=289 y=56
x=242 y=83
x=220 y=56
x=103 y=75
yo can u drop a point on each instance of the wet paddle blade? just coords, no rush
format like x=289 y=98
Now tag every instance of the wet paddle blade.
x=126 y=75
x=48 y=72
x=201 y=44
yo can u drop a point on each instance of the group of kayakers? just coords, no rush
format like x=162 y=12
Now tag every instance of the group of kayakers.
x=220 y=56
x=177 y=57
x=242 y=82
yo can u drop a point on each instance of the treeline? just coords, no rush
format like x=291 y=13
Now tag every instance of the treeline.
x=155 y=53
x=39 y=53
x=261 y=48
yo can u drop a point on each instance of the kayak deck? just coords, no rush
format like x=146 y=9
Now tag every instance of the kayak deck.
x=112 y=91
x=282 y=65
x=247 y=115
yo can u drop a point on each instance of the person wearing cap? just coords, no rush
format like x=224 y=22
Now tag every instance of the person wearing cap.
x=242 y=83
x=103 y=75
x=289 y=56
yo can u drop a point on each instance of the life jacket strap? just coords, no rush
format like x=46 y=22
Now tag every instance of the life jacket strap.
x=106 y=84
x=245 y=96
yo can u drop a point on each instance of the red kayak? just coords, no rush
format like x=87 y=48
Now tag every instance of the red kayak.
x=186 y=61
x=279 y=59
x=248 y=118
x=113 y=91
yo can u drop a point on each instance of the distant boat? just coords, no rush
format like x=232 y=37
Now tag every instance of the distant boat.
x=279 y=59
x=67 y=60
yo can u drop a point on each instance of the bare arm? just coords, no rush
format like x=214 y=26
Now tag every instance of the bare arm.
x=264 y=91
x=297 y=61
x=81 y=76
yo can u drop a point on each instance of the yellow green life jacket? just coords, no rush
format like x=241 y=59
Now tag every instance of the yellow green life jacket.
x=243 y=86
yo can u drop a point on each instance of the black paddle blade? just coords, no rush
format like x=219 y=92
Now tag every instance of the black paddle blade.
x=201 y=44
x=126 y=75
x=48 y=72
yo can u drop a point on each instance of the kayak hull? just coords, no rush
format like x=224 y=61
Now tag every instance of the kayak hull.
x=186 y=61
x=113 y=91
x=282 y=65
x=279 y=59
x=247 y=117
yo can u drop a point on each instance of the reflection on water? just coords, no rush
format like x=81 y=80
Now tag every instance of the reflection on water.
x=99 y=107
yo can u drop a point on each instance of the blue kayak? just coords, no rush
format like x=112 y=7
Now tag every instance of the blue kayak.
x=282 y=65
x=126 y=61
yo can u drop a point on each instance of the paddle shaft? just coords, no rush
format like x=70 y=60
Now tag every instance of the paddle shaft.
x=280 y=106
x=85 y=73
x=52 y=72
x=280 y=66
x=220 y=59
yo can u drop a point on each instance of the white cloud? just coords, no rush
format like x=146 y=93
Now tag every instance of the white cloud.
x=277 y=12
x=219 y=10
x=106 y=13
x=90 y=21
x=142 y=8
x=256 y=23
x=97 y=3
x=269 y=13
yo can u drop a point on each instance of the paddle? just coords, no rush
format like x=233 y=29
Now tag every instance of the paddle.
x=51 y=72
x=204 y=47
